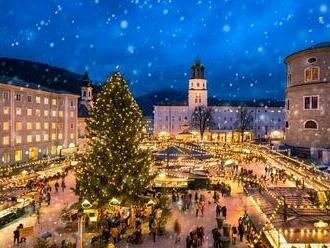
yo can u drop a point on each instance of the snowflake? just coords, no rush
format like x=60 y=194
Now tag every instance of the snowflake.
x=130 y=49
x=323 y=8
x=124 y=24
x=226 y=28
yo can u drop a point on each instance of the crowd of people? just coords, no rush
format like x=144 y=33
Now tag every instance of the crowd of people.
x=195 y=238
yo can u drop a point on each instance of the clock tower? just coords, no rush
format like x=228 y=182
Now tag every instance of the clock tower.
x=197 y=86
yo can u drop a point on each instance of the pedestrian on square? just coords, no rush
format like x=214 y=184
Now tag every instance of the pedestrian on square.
x=22 y=238
x=151 y=220
x=63 y=185
x=56 y=186
x=241 y=232
x=154 y=231
x=224 y=211
x=197 y=208
x=218 y=210
x=48 y=198
x=196 y=196
x=177 y=231
x=16 y=236
x=115 y=234
x=188 y=241
x=234 y=234
x=202 y=207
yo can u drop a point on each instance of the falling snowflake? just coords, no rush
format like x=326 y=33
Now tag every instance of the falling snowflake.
x=124 y=24
x=226 y=28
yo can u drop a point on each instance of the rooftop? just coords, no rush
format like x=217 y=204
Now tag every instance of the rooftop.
x=21 y=83
x=325 y=44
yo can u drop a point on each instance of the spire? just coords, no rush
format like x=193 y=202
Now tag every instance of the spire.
x=197 y=69
x=85 y=81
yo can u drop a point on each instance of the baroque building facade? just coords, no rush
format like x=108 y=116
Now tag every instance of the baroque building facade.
x=308 y=102
x=35 y=121
x=175 y=120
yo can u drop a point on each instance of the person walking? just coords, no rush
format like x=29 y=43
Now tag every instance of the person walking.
x=241 y=232
x=197 y=208
x=202 y=207
x=151 y=221
x=218 y=210
x=154 y=231
x=115 y=234
x=234 y=234
x=56 y=186
x=177 y=231
x=224 y=211
x=48 y=198
x=16 y=236
x=63 y=185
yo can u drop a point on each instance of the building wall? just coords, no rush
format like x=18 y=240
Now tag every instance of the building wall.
x=171 y=119
x=35 y=123
x=297 y=135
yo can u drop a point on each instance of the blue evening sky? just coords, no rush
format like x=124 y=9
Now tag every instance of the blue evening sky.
x=154 y=42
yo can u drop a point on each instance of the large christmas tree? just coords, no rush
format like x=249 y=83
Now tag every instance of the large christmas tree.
x=114 y=165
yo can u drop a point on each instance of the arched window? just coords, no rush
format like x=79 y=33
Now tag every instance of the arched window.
x=84 y=93
x=312 y=74
x=310 y=124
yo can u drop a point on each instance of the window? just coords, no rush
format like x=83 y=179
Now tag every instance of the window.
x=29 y=98
x=54 y=113
x=18 y=139
x=310 y=124
x=60 y=136
x=5 y=158
x=46 y=125
x=54 y=102
x=38 y=125
x=18 y=155
x=46 y=137
x=5 y=95
x=72 y=103
x=18 y=126
x=71 y=125
x=71 y=114
x=38 y=138
x=29 y=125
x=289 y=78
x=311 y=60
x=5 y=125
x=18 y=97
x=38 y=113
x=18 y=111
x=29 y=112
x=46 y=100
x=72 y=135
x=6 y=110
x=287 y=104
x=5 y=140
x=53 y=136
x=311 y=102
x=60 y=113
x=38 y=100
x=46 y=113
x=312 y=74
x=53 y=125
x=29 y=138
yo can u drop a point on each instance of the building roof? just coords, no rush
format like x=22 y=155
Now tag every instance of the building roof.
x=21 y=83
x=321 y=45
x=85 y=81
